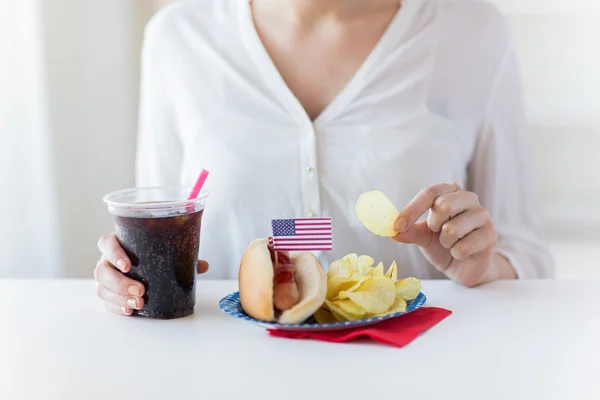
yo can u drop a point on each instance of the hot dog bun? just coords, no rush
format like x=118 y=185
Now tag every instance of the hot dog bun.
x=255 y=281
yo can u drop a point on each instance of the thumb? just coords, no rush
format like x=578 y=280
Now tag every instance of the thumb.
x=429 y=244
x=202 y=266
x=418 y=234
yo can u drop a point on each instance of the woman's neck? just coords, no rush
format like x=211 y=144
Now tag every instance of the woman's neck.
x=308 y=12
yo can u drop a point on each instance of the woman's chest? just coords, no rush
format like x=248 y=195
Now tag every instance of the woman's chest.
x=275 y=161
x=393 y=128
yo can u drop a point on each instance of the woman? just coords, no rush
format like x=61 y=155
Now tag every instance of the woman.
x=297 y=107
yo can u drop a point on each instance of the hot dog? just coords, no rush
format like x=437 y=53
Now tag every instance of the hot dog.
x=280 y=286
x=285 y=289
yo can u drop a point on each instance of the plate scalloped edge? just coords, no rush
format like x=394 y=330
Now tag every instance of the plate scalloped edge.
x=231 y=305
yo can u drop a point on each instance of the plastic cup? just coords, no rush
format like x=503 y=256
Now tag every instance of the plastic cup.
x=159 y=229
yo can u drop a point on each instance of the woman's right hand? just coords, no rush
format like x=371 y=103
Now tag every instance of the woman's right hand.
x=120 y=294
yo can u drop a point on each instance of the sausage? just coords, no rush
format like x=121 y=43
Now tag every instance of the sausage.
x=282 y=257
x=285 y=290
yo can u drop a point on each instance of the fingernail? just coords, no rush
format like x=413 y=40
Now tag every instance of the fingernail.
x=125 y=311
x=121 y=263
x=134 y=290
x=400 y=225
x=132 y=303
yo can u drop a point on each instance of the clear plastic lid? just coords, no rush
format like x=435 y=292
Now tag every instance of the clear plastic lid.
x=154 y=202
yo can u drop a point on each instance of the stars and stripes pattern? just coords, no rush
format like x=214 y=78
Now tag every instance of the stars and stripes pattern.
x=302 y=234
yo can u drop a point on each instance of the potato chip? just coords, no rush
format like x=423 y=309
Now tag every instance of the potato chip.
x=352 y=260
x=338 y=317
x=392 y=272
x=375 y=295
x=338 y=283
x=350 y=307
x=408 y=288
x=343 y=294
x=377 y=271
x=356 y=289
x=339 y=268
x=398 y=306
x=377 y=213
x=364 y=264
x=324 y=316
x=339 y=313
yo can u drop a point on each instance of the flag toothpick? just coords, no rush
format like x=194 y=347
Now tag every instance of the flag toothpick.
x=302 y=234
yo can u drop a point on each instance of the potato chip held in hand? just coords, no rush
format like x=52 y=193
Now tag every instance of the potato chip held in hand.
x=377 y=213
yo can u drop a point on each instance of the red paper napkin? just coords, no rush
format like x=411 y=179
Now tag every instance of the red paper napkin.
x=398 y=331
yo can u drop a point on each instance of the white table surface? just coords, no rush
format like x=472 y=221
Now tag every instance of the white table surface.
x=507 y=340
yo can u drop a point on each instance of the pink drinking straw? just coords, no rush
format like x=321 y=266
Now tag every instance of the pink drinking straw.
x=198 y=185
x=196 y=189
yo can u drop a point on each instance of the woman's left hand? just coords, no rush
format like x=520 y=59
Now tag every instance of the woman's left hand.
x=458 y=237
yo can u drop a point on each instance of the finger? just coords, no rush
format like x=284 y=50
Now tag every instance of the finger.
x=421 y=203
x=119 y=300
x=461 y=225
x=118 y=310
x=418 y=234
x=470 y=273
x=110 y=247
x=475 y=242
x=202 y=266
x=114 y=280
x=450 y=205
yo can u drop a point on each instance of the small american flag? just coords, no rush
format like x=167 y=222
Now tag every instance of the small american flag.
x=302 y=234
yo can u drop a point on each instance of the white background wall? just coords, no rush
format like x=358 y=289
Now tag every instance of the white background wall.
x=93 y=99
x=91 y=51
x=559 y=51
x=560 y=59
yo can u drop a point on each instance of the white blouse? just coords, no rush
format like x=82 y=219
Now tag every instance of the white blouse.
x=438 y=100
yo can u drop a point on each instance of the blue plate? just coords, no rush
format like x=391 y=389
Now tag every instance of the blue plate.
x=231 y=305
